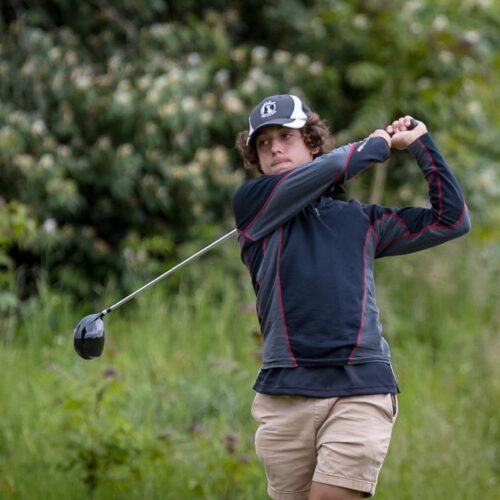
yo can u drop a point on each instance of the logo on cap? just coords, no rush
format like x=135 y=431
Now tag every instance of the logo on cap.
x=268 y=109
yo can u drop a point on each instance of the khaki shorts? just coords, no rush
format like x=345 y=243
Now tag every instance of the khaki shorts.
x=339 y=441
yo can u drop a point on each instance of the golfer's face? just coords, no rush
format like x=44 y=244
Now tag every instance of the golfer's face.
x=281 y=149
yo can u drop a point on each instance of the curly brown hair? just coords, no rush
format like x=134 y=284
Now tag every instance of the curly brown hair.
x=315 y=133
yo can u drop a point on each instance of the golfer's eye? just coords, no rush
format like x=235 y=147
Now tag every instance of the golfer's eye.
x=263 y=143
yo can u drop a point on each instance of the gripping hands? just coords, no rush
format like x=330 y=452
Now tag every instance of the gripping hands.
x=401 y=132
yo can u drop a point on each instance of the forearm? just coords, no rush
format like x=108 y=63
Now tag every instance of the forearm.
x=412 y=229
x=445 y=195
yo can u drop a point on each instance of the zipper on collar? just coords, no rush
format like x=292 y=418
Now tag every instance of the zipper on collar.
x=312 y=204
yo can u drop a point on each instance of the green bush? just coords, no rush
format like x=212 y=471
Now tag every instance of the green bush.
x=165 y=412
x=117 y=124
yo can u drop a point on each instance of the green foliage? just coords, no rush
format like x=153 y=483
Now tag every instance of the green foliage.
x=117 y=123
x=165 y=412
x=16 y=226
x=109 y=154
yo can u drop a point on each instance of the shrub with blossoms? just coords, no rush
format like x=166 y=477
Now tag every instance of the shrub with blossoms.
x=117 y=124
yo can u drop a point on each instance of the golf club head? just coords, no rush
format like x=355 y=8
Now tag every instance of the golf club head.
x=88 y=337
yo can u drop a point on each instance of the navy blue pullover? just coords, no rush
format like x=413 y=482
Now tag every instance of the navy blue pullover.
x=311 y=257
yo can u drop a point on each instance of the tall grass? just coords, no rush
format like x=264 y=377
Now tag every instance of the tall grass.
x=164 y=413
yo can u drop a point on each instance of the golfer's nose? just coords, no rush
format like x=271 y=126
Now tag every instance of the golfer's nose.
x=276 y=146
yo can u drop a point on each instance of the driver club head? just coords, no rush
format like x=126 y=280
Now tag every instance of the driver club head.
x=88 y=337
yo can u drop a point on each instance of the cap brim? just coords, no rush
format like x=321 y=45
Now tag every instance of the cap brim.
x=285 y=122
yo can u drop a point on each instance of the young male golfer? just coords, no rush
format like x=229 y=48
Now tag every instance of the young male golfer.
x=326 y=393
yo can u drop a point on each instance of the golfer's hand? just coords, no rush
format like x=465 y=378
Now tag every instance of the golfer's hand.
x=382 y=133
x=401 y=137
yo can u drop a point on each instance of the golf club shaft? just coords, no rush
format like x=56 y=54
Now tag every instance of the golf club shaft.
x=169 y=272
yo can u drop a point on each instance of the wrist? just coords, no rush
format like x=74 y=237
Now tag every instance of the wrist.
x=383 y=134
x=417 y=145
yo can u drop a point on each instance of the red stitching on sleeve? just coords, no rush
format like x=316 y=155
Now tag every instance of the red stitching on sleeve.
x=346 y=163
x=266 y=203
x=435 y=174
x=408 y=234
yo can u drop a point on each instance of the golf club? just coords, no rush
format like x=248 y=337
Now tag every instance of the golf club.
x=88 y=337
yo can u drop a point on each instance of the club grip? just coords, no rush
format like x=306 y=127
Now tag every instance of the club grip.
x=413 y=124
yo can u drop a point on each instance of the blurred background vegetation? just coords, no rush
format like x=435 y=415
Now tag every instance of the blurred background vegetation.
x=117 y=125
x=117 y=118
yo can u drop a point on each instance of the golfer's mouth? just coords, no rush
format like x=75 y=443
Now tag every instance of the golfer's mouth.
x=280 y=163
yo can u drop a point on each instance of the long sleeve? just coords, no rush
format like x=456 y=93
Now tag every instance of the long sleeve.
x=410 y=229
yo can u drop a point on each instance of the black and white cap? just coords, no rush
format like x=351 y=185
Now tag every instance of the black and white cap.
x=287 y=110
